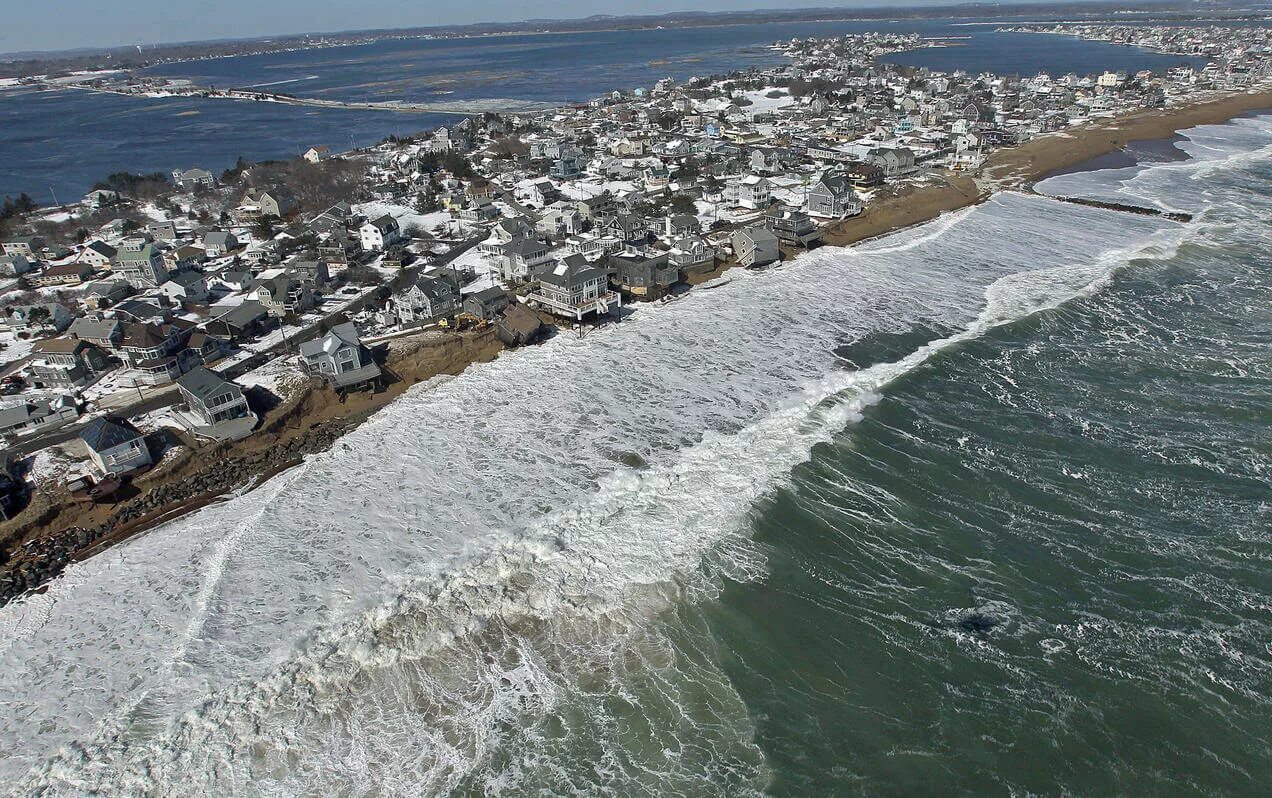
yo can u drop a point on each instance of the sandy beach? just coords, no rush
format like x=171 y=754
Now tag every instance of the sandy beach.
x=52 y=531
x=1020 y=167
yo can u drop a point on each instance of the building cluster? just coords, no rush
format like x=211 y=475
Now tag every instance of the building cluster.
x=513 y=220
x=1235 y=57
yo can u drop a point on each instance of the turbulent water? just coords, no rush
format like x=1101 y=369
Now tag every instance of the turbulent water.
x=981 y=507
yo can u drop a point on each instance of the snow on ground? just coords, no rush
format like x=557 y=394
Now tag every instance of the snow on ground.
x=406 y=217
x=762 y=103
x=54 y=464
x=158 y=419
x=154 y=212
x=475 y=261
x=15 y=348
x=280 y=376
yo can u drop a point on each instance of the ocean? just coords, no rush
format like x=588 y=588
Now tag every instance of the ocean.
x=980 y=508
x=55 y=145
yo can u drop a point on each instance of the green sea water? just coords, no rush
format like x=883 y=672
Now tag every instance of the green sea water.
x=980 y=508
x=1041 y=564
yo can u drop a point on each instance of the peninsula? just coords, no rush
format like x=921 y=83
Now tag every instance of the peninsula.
x=172 y=338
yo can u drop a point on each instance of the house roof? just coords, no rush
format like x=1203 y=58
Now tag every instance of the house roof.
x=243 y=314
x=143 y=336
x=341 y=335
x=106 y=433
x=203 y=383
x=570 y=271
x=58 y=346
x=95 y=329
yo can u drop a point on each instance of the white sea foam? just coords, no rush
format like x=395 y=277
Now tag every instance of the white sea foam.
x=1176 y=186
x=474 y=581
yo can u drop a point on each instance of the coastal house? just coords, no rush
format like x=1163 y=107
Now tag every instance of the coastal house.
x=755 y=246
x=504 y=232
x=644 y=276
x=66 y=362
x=140 y=263
x=211 y=398
x=486 y=304
x=165 y=231
x=284 y=295
x=518 y=257
x=276 y=202
x=894 y=161
x=15 y=266
x=185 y=287
x=751 y=191
x=39 y=415
x=793 y=227
x=561 y=219
x=317 y=154
x=573 y=288
x=193 y=178
x=65 y=274
x=833 y=197
x=626 y=227
x=104 y=293
x=28 y=247
x=380 y=233
x=427 y=298
x=106 y=333
x=98 y=255
x=151 y=349
x=863 y=176
x=219 y=242
x=114 y=447
x=240 y=323
x=340 y=358
x=692 y=254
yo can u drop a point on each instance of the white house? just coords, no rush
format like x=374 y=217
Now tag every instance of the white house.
x=114 y=448
x=380 y=233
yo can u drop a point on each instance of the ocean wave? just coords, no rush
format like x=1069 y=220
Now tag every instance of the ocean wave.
x=472 y=584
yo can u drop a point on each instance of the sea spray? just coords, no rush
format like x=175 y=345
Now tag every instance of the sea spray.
x=510 y=533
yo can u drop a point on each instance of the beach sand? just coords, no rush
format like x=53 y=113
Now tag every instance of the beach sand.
x=1020 y=167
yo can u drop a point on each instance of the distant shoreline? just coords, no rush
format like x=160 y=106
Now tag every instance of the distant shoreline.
x=123 y=57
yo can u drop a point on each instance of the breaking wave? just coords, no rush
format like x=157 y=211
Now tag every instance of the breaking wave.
x=486 y=586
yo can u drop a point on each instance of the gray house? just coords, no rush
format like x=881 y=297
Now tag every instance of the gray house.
x=219 y=242
x=692 y=254
x=574 y=288
x=141 y=264
x=427 y=298
x=66 y=363
x=115 y=448
x=643 y=276
x=45 y=414
x=486 y=304
x=340 y=358
x=211 y=398
x=833 y=197
x=755 y=246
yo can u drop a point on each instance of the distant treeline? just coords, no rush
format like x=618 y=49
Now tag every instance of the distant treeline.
x=131 y=58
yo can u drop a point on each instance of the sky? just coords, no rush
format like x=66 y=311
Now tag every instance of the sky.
x=69 y=24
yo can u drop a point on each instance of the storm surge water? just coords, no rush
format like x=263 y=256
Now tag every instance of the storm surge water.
x=981 y=506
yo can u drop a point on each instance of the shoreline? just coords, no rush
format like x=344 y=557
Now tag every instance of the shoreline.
x=314 y=419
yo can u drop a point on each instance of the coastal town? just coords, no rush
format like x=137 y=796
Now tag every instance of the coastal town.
x=172 y=337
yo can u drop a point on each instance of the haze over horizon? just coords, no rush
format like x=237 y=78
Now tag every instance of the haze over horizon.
x=91 y=24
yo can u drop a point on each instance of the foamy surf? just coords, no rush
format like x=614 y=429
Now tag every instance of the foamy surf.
x=505 y=599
